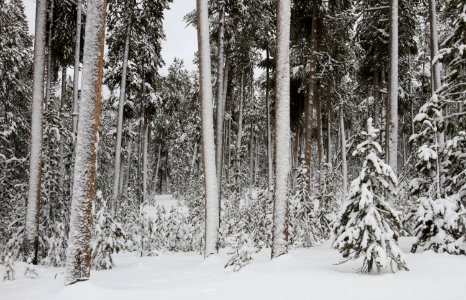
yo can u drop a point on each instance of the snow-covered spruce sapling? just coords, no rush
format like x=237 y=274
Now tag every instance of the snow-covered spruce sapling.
x=368 y=226
x=30 y=271
x=304 y=226
x=9 y=273
x=108 y=237
x=441 y=222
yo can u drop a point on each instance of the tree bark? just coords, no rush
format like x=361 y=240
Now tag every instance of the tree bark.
x=212 y=220
x=311 y=95
x=145 y=133
x=49 y=56
x=78 y=262
x=269 y=130
x=282 y=130
x=240 y=126
x=121 y=105
x=344 y=166
x=393 y=88
x=77 y=50
x=31 y=230
x=61 y=177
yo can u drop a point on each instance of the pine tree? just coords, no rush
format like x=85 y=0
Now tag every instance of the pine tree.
x=212 y=221
x=31 y=243
x=282 y=130
x=79 y=249
x=368 y=226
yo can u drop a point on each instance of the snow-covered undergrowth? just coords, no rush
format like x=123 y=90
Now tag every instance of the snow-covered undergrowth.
x=301 y=274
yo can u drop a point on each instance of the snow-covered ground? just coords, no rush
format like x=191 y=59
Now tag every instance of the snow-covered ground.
x=302 y=274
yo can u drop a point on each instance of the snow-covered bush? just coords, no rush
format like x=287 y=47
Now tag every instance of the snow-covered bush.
x=441 y=225
x=368 y=226
x=241 y=249
x=9 y=273
x=30 y=271
x=108 y=237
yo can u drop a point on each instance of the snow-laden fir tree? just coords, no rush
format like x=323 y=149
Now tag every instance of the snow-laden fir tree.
x=304 y=226
x=368 y=226
x=108 y=237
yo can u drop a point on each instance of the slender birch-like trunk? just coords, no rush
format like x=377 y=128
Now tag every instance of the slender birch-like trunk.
x=78 y=262
x=212 y=220
x=77 y=50
x=31 y=230
x=121 y=105
x=282 y=130
x=393 y=88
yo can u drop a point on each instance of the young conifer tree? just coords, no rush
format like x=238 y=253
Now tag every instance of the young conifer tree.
x=368 y=226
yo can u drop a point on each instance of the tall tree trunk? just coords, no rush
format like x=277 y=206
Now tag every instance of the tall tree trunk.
x=49 y=56
x=78 y=262
x=436 y=79
x=77 y=50
x=31 y=230
x=311 y=95
x=320 y=143
x=121 y=105
x=212 y=220
x=344 y=166
x=329 y=140
x=157 y=168
x=221 y=95
x=219 y=98
x=145 y=133
x=193 y=161
x=393 y=88
x=251 y=154
x=269 y=130
x=129 y=163
x=282 y=130
x=240 y=126
x=61 y=162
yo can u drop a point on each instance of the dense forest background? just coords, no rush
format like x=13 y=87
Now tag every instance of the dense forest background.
x=381 y=104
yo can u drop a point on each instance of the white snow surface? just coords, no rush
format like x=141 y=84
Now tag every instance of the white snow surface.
x=301 y=274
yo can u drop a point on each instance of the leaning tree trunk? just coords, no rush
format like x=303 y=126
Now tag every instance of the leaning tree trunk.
x=121 y=105
x=393 y=88
x=31 y=230
x=212 y=220
x=312 y=86
x=78 y=258
x=77 y=50
x=282 y=130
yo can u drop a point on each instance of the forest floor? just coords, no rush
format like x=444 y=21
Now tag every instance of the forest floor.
x=302 y=274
